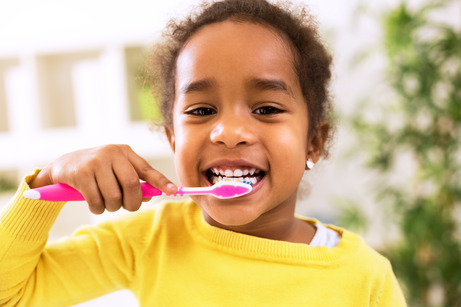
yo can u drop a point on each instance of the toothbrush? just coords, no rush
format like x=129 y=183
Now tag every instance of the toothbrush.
x=222 y=189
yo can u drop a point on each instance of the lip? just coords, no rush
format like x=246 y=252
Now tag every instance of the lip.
x=256 y=187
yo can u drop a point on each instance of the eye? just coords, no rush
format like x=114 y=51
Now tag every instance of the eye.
x=267 y=110
x=202 y=111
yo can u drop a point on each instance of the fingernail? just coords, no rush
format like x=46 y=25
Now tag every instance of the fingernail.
x=170 y=186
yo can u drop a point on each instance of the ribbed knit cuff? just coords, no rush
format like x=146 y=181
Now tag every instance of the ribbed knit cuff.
x=29 y=219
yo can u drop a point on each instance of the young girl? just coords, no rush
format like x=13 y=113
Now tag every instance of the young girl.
x=244 y=94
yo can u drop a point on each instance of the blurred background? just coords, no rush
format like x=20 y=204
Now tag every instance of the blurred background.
x=70 y=79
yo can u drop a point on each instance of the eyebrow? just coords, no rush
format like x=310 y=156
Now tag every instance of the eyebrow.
x=258 y=83
x=197 y=86
x=271 y=85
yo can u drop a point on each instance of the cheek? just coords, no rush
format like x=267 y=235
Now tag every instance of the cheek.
x=292 y=138
x=291 y=148
x=187 y=155
x=180 y=156
x=291 y=154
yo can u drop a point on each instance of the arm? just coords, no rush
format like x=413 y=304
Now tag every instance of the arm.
x=390 y=293
x=93 y=262
x=24 y=227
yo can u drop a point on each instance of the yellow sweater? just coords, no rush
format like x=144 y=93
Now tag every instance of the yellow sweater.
x=170 y=256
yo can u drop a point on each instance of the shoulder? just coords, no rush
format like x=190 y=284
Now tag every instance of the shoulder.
x=351 y=247
x=354 y=253
x=370 y=271
x=361 y=255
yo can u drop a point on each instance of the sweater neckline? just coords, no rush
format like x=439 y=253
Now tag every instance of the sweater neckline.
x=262 y=248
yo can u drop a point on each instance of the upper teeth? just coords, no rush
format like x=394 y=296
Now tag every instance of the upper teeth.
x=235 y=173
x=250 y=175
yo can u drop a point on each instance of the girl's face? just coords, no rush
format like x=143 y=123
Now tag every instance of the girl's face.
x=239 y=111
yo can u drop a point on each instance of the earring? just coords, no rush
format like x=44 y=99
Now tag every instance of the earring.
x=310 y=164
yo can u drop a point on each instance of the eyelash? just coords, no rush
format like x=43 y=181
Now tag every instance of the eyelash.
x=202 y=111
x=267 y=110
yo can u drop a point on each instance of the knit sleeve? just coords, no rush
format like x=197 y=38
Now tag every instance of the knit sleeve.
x=24 y=227
x=91 y=263
x=390 y=293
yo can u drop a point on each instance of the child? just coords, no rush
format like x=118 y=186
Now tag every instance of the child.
x=244 y=94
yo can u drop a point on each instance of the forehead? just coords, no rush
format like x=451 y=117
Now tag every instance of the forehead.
x=230 y=48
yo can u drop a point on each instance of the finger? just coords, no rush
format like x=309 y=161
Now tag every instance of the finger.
x=43 y=178
x=152 y=176
x=110 y=190
x=92 y=195
x=128 y=181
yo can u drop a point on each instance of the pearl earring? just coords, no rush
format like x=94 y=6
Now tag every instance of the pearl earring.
x=310 y=164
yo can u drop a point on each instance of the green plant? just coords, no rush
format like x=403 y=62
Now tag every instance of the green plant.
x=148 y=108
x=7 y=185
x=417 y=125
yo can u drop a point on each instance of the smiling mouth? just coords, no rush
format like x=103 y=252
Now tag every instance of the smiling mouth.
x=251 y=175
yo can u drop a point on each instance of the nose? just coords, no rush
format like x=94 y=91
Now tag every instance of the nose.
x=233 y=131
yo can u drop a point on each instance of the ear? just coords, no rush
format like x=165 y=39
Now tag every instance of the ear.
x=317 y=141
x=170 y=136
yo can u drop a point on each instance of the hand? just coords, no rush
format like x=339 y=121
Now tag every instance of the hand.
x=107 y=176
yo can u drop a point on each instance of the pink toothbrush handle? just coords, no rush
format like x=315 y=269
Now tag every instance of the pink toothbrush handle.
x=63 y=192
x=55 y=192
x=149 y=191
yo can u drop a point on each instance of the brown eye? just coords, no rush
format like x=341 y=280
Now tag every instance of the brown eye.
x=201 y=112
x=267 y=111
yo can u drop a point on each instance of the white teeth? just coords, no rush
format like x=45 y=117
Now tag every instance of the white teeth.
x=252 y=180
x=249 y=175
x=236 y=173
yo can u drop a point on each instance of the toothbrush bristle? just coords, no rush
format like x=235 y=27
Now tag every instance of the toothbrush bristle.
x=231 y=189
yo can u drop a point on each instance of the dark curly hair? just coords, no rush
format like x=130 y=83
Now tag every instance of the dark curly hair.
x=311 y=59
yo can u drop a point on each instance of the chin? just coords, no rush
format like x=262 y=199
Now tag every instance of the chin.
x=229 y=217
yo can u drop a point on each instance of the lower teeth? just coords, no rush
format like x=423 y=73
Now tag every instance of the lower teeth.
x=215 y=179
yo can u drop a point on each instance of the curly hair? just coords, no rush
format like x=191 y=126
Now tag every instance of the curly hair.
x=311 y=59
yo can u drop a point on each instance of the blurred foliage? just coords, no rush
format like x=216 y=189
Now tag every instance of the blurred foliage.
x=411 y=137
x=351 y=216
x=147 y=106
x=7 y=185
